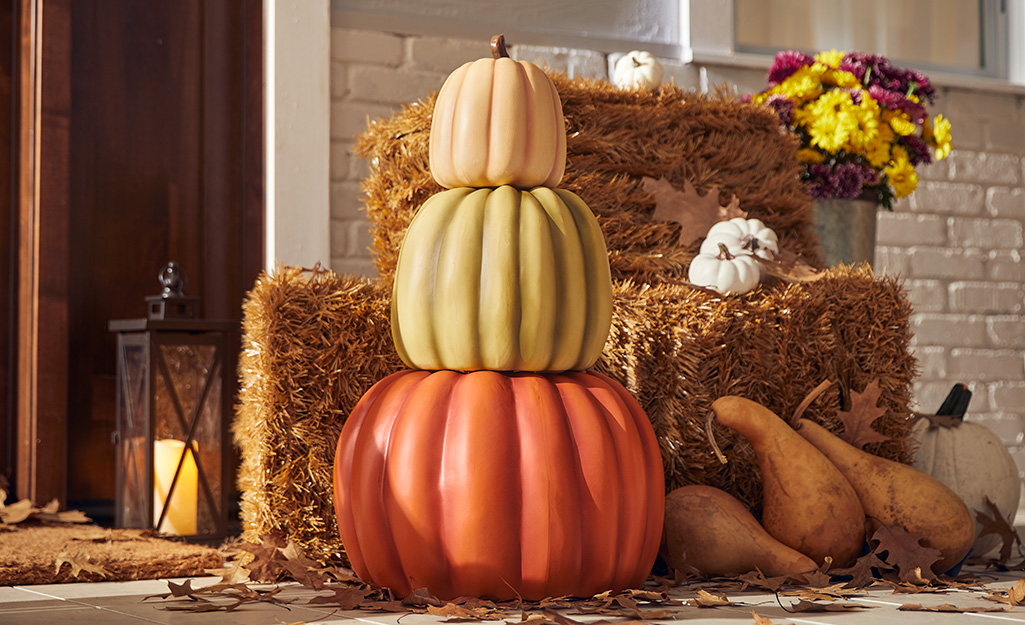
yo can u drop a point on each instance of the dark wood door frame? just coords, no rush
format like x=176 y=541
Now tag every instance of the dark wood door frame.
x=43 y=120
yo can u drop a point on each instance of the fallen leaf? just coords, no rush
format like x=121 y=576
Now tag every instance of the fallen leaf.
x=815 y=606
x=761 y=620
x=16 y=512
x=695 y=213
x=79 y=562
x=864 y=570
x=789 y=267
x=905 y=552
x=946 y=607
x=705 y=599
x=422 y=597
x=997 y=524
x=300 y=568
x=864 y=412
x=267 y=559
x=345 y=597
x=181 y=590
x=758 y=580
x=67 y=516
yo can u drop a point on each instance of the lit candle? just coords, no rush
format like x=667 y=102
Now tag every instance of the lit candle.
x=181 y=514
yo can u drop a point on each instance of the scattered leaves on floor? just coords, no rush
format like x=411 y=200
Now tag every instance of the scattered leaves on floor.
x=25 y=510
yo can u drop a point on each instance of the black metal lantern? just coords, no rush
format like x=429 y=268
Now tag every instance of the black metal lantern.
x=173 y=467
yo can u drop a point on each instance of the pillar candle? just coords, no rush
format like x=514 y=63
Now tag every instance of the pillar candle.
x=181 y=514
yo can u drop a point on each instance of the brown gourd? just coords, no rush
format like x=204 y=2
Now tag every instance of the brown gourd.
x=807 y=504
x=898 y=495
x=710 y=530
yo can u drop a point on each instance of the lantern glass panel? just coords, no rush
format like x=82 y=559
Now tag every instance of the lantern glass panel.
x=187 y=404
x=132 y=426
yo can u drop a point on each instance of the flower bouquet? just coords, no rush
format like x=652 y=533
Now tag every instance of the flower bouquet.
x=862 y=122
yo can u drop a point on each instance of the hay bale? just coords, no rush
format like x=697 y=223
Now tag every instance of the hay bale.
x=313 y=343
x=616 y=138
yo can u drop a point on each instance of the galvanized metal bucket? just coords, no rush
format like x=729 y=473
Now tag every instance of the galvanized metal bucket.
x=846 y=229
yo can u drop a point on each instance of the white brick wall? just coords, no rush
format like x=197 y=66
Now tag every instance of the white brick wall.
x=957 y=242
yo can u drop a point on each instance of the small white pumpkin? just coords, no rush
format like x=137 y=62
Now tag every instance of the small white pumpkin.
x=974 y=463
x=637 y=69
x=742 y=236
x=725 y=272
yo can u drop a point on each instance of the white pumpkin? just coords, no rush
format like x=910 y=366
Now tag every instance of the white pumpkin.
x=637 y=70
x=724 y=272
x=972 y=461
x=742 y=236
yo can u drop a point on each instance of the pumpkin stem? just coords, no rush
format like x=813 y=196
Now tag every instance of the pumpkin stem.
x=956 y=403
x=636 y=62
x=750 y=243
x=711 y=437
x=498 y=49
x=724 y=252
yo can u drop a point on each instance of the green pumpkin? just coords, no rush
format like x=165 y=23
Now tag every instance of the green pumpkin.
x=502 y=279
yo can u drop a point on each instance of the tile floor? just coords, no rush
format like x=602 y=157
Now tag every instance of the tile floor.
x=117 y=603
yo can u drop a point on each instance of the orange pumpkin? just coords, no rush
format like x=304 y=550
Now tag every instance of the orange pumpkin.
x=498 y=121
x=493 y=484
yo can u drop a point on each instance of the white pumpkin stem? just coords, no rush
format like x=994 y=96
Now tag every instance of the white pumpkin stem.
x=750 y=243
x=636 y=62
x=724 y=252
x=498 y=49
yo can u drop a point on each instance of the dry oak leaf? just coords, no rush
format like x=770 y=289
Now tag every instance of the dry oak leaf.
x=705 y=599
x=863 y=571
x=345 y=597
x=997 y=524
x=904 y=551
x=815 y=606
x=79 y=562
x=694 y=212
x=789 y=267
x=946 y=607
x=864 y=412
x=761 y=620
x=1015 y=595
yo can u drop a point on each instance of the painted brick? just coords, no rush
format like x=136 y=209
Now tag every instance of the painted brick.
x=346 y=200
x=575 y=63
x=1018 y=453
x=941 y=262
x=985 y=297
x=443 y=54
x=354 y=267
x=1005 y=266
x=927 y=295
x=905 y=229
x=1006 y=331
x=941 y=330
x=948 y=198
x=1006 y=202
x=932 y=362
x=350 y=238
x=985 y=233
x=1008 y=397
x=929 y=395
x=1007 y=426
x=685 y=75
x=341 y=158
x=350 y=119
x=392 y=86
x=892 y=261
x=361 y=46
x=967 y=133
x=986 y=364
x=1004 y=136
x=985 y=168
x=935 y=171
x=980 y=104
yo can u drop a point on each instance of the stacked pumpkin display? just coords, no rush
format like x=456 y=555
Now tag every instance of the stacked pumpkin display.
x=496 y=465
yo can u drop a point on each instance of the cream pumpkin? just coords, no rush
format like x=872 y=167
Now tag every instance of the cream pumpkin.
x=742 y=236
x=724 y=272
x=637 y=69
x=498 y=122
x=972 y=461
x=502 y=279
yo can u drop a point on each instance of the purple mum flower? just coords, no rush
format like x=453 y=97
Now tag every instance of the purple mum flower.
x=783 y=107
x=918 y=151
x=786 y=63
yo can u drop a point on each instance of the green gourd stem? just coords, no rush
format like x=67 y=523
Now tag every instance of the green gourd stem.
x=498 y=49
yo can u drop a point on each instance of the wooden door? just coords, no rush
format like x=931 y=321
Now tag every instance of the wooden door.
x=164 y=132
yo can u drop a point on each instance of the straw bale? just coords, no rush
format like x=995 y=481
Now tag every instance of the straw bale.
x=615 y=138
x=313 y=343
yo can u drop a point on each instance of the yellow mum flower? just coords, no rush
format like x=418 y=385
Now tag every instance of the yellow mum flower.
x=810 y=156
x=900 y=122
x=830 y=58
x=939 y=133
x=877 y=151
x=901 y=173
x=867 y=118
x=830 y=120
x=804 y=84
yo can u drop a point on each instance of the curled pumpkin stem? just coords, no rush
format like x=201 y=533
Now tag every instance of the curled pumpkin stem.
x=724 y=252
x=711 y=437
x=498 y=49
x=812 y=396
